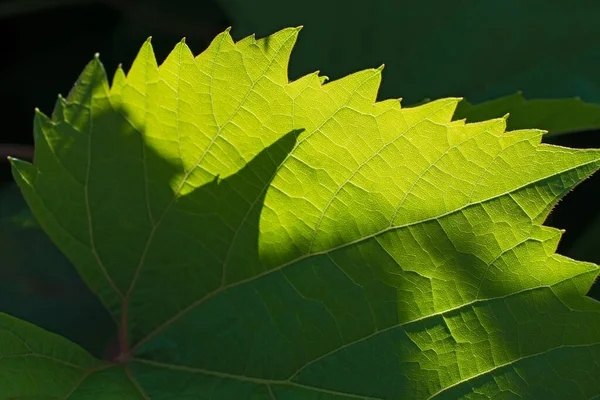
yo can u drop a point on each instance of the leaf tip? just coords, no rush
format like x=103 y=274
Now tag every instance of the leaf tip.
x=299 y=28
x=39 y=116
x=381 y=67
x=322 y=78
x=182 y=40
x=96 y=56
x=22 y=171
x=149 y=39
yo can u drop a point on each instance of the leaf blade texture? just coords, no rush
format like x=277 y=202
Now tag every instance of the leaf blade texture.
x=260 y=238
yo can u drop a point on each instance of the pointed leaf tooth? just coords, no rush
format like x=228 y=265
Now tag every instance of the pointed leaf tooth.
x=578 y=278
x=43 y=128
x=459 y=132
x=223 y=38
x=58 y=113
x=183 y=124
x=296 y=87
x=92 y=82
x=59 y=144
x=386 y=105
x=548 y=236
x=245 y=42
x=362 y=87
x=222 y=43
x=458 y=122
x=589 y=163
x=23 y=172
x=534 y=136
x=135 y=94
x=277 y=48
x=181 y=54
x=438 y=111
x=119 y=80
x=538 y=176
x=445 y=114
x=144 y=69
x=42 y=122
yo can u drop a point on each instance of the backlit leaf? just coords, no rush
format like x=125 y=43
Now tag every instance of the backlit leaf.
x=265 y=239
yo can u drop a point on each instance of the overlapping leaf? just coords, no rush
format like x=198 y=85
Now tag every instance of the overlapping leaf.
x=557 y=116
x=259 y=238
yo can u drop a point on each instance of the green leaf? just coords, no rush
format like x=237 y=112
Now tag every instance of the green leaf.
x=557 y=116
x=38 y=365
x=266 y=239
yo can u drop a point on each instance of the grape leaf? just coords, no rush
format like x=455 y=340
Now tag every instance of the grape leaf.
x=557 y=116
x=266 y=239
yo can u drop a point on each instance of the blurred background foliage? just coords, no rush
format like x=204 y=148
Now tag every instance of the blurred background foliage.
x=488 y=52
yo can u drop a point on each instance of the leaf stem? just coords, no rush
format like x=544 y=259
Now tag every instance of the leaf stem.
x=124 y=352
